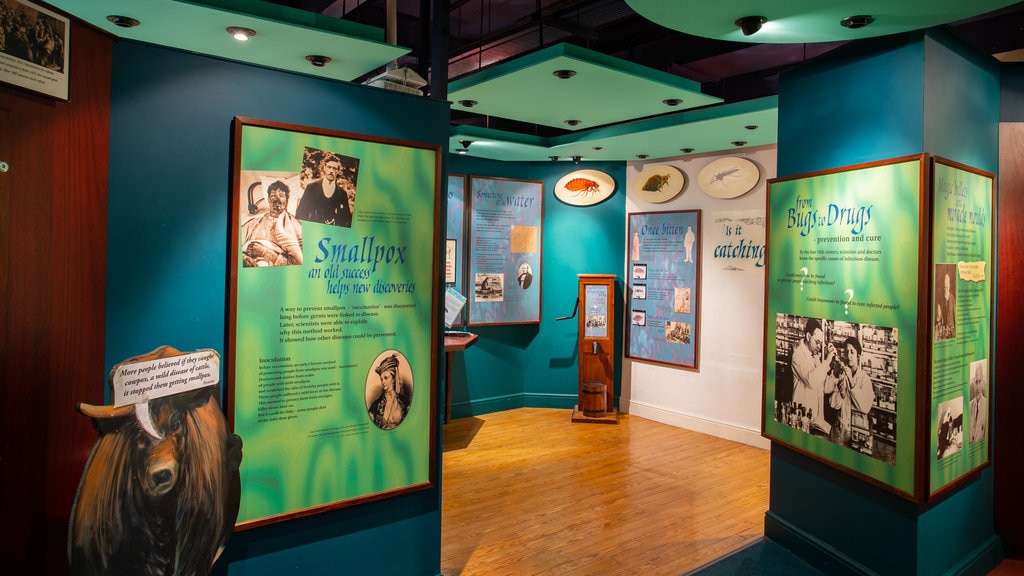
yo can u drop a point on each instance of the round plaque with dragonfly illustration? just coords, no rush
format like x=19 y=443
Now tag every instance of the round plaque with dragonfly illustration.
x=729 y=177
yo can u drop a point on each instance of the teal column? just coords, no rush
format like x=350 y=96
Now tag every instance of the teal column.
x=872 y=100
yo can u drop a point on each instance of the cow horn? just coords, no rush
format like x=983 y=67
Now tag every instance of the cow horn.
x=103 y=412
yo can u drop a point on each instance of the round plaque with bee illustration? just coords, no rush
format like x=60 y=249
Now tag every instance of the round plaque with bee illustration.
x=658 y=183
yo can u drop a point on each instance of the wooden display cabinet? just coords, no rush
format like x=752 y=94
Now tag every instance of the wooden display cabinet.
x=596 y=380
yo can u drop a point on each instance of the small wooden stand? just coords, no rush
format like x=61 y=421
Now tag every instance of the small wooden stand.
x=596 y=381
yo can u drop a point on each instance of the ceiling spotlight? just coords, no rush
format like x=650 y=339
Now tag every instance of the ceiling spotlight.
x=598 y=147
x=751 y=24
x=318 y=60
x=465 y=143
x=672 y=102
x=686 y=150
x=564 y=74
x=576 y=159
x=751 y=127
x=553 y=158
x=468 y=103
x=739 y=142
x=241 y=34
x=573 y=122
x=641 y=156
x=123 y=21
x=855 y=22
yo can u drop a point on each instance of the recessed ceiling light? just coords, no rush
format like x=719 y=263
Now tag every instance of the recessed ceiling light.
x=553 y=158
x=686 y=150
x=318 y=60
x=641 y=156
x=573 y=122
x=468 y=103
x=564 y=74
x=672 y=102
x=855 y=22
x=739 y=143
x=751 y=127
x=241 y=34
x=598 y=147
x=576 y=159
x=123 y=21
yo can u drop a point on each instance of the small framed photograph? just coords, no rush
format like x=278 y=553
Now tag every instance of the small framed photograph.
x=34 y=48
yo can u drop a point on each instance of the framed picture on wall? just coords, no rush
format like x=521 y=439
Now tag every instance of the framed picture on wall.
x=506 y=222
x=332 y=317
x=34 y=53
x=664 y=261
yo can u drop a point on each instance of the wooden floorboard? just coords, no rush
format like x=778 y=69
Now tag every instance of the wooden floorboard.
x=528 y=492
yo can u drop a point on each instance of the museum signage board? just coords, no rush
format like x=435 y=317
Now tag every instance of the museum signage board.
x=333 y=317
x=506 y=234
x=853 y=371
x=664 y=287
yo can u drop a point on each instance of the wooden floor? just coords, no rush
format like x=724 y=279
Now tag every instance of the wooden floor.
x=528 y=492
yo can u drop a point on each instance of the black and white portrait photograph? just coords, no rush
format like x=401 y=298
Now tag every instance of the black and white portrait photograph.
x=978 y=407
x=329 y=188
x=524 y=275
x=389 y=389
x=945 y=301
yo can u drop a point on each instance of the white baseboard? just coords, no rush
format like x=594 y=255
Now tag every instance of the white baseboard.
x=704 y=426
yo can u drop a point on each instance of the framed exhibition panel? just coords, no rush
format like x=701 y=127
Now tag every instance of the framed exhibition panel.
x=455 y=243
x=332 y=317
x=961 y=321
x=506 y=226
x=664 y=287
x=849 y=377
x=831 y=322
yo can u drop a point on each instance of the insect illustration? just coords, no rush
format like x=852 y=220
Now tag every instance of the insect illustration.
x=655 y=183
x=720 y=177
x=582 y=186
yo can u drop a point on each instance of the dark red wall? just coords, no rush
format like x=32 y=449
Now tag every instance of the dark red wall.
x=1009 y=398
x=53 y=228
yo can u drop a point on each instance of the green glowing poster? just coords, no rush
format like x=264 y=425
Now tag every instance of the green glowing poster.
x=333 y=317
x=961 y=321
x=841 y=342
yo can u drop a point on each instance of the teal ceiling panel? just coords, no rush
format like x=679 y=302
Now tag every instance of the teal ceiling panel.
x=284 y=36
x=599 y=89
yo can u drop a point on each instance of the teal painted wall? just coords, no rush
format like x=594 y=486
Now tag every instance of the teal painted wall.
x=897 y=96
x=1012 y=99
x=167 y=261
x=535 y=365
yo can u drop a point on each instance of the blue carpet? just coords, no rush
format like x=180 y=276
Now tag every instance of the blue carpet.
x=762 y=558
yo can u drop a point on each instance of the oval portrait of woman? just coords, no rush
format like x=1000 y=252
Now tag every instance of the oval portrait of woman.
x=389 y=389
